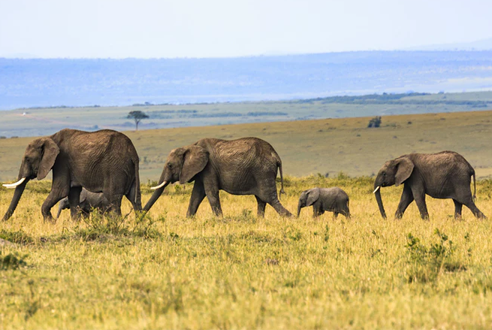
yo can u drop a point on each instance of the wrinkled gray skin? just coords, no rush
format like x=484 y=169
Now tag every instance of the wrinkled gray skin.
x=104 y=161
x=442 y=175
x=88 y=201
x=246 y=166
x=325 y=199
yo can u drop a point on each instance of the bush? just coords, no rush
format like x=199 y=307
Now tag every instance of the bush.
x=375 y=122
x=12 y=261
x=430 y=262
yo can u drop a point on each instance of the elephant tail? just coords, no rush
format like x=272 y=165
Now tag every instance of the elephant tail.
x=474 y=185
x=279 y=165
x=137 y=181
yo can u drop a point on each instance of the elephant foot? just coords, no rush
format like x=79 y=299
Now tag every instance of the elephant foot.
x=481 y=216
x=288 y=215
x=49 y=218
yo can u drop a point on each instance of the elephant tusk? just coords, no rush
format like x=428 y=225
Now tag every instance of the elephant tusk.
x=159 y=186
x=375 y=190
x=13 y=185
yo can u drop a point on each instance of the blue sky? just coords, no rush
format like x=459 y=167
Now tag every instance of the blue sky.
x=225 y=28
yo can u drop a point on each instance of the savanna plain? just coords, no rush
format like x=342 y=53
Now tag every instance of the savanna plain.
x=165 y=271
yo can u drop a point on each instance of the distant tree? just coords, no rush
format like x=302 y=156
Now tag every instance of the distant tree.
x=375 y=122
x=137 y=116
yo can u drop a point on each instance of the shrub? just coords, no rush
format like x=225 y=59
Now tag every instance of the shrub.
x=429 y=262
x=375 y=122
x=12 y=261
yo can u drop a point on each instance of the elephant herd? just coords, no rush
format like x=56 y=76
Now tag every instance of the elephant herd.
x=94 y=170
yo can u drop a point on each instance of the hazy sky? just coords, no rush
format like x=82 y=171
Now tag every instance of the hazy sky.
x=222 y=28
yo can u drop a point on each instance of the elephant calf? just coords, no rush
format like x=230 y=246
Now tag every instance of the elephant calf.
x=325 y=199
x=88 y=201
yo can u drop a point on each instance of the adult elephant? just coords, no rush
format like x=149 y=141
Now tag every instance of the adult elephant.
x=246 y=166
x=104 y=161
x=445 y=174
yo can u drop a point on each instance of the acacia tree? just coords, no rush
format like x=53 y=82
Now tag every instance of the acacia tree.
x=137 y=116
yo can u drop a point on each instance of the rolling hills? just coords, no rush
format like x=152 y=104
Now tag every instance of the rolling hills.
x=325 y=146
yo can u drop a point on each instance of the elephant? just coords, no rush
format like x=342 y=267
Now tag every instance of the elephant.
x=441 y=175
x=325 y=199
x=245 y=166
x=102 y=161
x=88 y=201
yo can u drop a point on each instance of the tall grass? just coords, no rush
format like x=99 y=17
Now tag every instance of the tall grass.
x=240 y=272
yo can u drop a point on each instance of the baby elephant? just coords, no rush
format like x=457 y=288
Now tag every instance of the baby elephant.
x=88 y=201
x=325 y=199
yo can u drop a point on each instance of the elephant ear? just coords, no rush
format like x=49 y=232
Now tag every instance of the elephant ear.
x=50 y=152
x=312 y=196
x=195 y=160
x=405 y=169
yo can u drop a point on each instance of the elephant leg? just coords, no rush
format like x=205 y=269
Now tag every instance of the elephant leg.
x=213 y=199
x=74 y=201
x=317 y=211
x=405 y=200
x=86 y=209
x=55 y=195
x=420 y=200
x=134 y=197
x=279 y=208
x=335 y=215
x=261 y=207
x=457 y=209
x=114 y=203
x=197 y=196
x=471 y=205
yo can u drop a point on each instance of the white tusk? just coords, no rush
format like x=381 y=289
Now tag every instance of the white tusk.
x=159 y=186
x=375 y=190
x=13 y=185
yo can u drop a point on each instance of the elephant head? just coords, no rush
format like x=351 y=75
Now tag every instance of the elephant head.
x=393 y=172
x=308 y=198
x=182 y=165
x=38 y=160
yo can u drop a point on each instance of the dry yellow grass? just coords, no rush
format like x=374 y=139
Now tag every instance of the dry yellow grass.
x=237 y=272
x=242 y=272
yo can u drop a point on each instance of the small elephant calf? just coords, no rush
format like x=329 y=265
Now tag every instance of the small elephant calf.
x=325 y=199
x=88 y=201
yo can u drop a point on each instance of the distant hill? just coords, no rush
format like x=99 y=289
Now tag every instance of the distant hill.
x=325 y=146
x=87 y=82
x=479 y=45
x=46 y=121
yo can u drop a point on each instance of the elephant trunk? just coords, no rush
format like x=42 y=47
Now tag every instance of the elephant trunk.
x=377 y=192
x=157 y=193
x=19 y=189
x=59 y=212
x=299 y=207
x=62 y=205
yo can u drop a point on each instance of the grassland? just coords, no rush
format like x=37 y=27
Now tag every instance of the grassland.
x=241 y=272
x=326 y=146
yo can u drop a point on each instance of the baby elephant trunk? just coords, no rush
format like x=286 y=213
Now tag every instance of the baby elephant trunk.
x=299 y=207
